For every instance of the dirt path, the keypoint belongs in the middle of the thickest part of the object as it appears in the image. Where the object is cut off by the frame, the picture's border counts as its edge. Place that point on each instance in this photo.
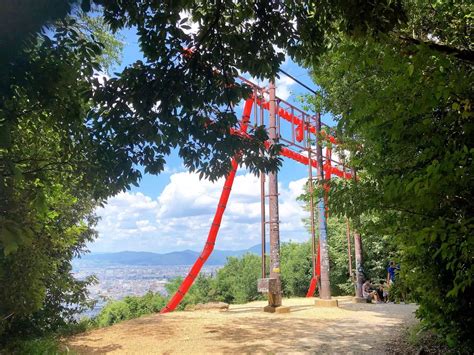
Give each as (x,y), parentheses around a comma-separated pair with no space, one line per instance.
(351,328)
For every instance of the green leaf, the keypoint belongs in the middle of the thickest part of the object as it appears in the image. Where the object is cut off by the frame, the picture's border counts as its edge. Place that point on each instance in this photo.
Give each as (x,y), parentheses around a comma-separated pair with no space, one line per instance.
(8,240)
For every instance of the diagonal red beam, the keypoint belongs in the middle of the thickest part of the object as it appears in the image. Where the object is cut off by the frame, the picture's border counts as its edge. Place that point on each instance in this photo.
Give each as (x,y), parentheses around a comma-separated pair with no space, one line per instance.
(216,223)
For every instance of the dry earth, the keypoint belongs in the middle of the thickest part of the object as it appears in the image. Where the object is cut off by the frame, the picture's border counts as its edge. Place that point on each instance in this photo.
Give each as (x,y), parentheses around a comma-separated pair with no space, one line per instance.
(351,328)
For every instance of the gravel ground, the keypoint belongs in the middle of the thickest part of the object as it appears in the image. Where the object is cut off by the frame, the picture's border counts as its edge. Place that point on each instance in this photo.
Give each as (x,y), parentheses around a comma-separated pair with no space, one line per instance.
(351,328)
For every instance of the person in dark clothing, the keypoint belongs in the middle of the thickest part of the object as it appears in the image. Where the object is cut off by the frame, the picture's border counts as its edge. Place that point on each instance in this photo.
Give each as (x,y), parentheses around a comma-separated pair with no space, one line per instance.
(380,292)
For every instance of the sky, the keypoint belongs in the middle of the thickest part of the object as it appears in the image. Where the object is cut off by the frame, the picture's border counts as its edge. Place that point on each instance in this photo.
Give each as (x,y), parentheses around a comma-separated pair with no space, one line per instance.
(174,210)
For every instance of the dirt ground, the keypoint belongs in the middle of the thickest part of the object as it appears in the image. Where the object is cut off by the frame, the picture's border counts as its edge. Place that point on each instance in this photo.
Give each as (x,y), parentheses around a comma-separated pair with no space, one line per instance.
(351,328)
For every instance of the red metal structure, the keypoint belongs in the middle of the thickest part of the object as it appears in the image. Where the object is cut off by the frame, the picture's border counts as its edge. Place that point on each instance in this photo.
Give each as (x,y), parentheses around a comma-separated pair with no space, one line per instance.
(297,131)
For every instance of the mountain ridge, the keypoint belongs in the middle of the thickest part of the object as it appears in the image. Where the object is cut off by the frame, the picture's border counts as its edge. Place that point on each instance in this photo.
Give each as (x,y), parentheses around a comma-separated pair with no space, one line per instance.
(146,258)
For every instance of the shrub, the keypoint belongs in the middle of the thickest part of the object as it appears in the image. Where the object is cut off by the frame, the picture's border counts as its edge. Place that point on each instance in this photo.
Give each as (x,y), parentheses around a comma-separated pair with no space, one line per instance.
(128,308)
(112,313)
(236,282)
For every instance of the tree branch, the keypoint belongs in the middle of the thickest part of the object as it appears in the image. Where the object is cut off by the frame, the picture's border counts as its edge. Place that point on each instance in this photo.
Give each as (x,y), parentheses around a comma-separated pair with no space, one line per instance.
(462,54)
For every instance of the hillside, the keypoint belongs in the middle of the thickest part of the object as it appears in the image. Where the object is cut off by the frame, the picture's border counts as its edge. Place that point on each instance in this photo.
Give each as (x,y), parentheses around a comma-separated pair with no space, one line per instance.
(351,328)
(141,258)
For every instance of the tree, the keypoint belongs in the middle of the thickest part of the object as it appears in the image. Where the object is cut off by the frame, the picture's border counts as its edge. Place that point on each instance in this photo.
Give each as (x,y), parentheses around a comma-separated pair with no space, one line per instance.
(236,282)
(405,113)
(182,96)
(49,181)
(296,268)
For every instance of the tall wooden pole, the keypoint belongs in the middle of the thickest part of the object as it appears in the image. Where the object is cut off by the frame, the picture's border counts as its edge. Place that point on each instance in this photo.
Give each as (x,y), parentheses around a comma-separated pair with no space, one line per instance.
(349,249)
(358,256)
(325,290)
(311,206)
(262,190)
(274,298)
(359,262)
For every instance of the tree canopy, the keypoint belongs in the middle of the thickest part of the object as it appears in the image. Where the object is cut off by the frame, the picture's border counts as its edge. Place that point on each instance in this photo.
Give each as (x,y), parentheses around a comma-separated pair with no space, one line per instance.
(50,183)
(404,109)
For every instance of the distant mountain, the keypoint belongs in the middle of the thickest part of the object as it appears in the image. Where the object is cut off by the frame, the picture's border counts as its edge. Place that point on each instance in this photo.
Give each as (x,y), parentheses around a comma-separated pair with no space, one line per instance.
(142,258)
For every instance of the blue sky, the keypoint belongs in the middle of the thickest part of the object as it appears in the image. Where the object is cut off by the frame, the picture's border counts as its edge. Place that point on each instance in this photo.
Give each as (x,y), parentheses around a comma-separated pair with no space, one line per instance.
(174,210)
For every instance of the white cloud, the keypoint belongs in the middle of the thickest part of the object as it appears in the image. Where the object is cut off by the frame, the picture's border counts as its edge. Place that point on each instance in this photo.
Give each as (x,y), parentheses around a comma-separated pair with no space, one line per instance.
(283,85)
(180,217)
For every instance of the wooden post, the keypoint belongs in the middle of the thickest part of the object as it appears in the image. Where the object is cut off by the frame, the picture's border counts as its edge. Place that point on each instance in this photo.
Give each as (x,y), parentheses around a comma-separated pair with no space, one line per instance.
(311,205)
(349,251)
(274,299)
(359,263)
(325,290)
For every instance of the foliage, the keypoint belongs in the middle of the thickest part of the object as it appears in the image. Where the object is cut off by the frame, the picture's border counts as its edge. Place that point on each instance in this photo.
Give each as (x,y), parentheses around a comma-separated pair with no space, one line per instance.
(405,113)
(35,346)
(296,268)
(128,308)
(297,265)
(182,95)
(49,181)
(236,282)
(203,290)
(42,292)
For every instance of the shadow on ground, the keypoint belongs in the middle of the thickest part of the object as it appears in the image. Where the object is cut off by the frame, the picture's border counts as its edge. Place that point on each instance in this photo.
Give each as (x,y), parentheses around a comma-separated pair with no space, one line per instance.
(351,328)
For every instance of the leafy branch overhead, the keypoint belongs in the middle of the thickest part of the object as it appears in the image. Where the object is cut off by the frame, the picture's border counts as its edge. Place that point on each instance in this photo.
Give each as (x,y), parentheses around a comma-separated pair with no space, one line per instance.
(188,77)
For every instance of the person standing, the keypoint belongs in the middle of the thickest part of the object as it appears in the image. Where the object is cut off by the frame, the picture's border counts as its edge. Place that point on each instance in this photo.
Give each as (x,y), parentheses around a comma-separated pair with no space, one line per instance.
(391,273)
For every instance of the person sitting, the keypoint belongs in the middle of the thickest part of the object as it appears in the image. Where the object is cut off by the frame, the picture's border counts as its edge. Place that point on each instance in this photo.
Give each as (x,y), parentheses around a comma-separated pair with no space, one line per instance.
(369,293)
(382,291)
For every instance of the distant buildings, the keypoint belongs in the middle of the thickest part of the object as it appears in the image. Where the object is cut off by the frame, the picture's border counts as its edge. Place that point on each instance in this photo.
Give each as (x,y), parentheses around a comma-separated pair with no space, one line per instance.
(117,282)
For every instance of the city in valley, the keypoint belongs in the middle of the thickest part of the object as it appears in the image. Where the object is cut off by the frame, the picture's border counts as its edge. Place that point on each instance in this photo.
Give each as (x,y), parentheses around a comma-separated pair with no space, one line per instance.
(115,282)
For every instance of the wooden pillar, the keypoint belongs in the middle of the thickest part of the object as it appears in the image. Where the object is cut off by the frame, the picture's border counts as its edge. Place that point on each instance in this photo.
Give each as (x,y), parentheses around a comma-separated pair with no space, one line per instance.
(311,204)
(359,262)
(274,298)
(349,248)
(325,290)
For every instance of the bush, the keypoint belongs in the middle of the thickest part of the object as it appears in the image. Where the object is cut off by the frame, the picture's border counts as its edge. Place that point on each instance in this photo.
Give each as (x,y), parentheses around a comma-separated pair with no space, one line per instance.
(112,313)
(128,308)
(236,282)
(296,268)
(34,346)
